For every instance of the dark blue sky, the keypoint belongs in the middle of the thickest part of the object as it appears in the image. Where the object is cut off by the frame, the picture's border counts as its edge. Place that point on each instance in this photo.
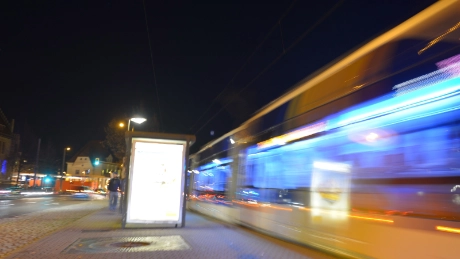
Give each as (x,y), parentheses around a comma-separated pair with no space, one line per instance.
(69,67)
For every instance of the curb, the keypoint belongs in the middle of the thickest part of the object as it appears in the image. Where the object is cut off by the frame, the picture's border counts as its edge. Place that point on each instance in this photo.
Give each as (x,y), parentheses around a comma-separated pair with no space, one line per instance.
(20,196)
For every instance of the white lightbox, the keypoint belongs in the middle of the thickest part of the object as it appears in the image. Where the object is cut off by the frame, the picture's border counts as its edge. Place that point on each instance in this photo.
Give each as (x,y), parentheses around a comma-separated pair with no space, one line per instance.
(156,182)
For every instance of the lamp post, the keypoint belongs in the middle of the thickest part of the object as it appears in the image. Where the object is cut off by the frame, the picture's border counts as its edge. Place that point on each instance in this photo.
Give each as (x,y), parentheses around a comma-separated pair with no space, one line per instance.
(36,163)
(62,168)
(137,120)
(19,168)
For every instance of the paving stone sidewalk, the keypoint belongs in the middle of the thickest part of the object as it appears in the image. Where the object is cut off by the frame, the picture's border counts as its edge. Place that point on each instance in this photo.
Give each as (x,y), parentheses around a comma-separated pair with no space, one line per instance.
(97,236)
(23,230)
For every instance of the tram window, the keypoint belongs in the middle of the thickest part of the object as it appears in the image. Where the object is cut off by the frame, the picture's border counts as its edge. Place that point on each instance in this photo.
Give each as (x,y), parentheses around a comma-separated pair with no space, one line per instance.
(394,159)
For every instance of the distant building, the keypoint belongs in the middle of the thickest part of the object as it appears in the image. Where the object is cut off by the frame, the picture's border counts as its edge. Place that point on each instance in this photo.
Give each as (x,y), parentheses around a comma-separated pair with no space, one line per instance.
(8,147)
(91,166)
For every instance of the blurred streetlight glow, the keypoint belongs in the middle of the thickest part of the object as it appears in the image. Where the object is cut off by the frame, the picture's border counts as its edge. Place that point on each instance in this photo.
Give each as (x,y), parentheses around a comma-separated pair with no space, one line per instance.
(371,137)
(121,124)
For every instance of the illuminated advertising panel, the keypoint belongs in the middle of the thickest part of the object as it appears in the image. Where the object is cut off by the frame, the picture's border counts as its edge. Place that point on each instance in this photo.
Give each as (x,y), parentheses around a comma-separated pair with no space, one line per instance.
(330,190)
(156,180)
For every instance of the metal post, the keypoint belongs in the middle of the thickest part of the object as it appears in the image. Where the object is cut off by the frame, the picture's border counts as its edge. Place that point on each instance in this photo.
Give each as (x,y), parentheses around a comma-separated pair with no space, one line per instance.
(62,169)
(122,195)
(19,168)
(126,166)
(36,164)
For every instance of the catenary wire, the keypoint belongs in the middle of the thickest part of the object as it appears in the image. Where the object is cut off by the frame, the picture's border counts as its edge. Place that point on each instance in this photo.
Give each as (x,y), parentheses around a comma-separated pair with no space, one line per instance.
(278,23)
(274,61)
(153,67)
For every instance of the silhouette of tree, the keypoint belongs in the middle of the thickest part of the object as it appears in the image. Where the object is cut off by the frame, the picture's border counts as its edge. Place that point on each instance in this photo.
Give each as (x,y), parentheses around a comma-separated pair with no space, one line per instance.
(115,138)
(49,159)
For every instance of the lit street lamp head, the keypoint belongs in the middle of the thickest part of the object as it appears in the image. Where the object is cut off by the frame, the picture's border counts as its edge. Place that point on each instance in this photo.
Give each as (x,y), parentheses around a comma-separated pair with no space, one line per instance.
(138,120)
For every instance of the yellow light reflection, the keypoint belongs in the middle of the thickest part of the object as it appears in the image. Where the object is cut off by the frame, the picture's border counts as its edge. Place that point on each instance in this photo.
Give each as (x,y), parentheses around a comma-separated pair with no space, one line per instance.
(375,219)
(297,134)
(436,40)
(279,208)
(447,229)
(246,204)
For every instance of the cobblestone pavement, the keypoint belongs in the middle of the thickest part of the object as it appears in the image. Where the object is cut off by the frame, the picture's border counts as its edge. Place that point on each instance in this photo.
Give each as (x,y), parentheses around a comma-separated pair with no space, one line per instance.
(95,236)
(23,230)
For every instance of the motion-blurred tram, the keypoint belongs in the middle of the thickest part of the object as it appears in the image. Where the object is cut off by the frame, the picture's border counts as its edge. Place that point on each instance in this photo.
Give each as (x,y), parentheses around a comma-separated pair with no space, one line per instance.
(361,159)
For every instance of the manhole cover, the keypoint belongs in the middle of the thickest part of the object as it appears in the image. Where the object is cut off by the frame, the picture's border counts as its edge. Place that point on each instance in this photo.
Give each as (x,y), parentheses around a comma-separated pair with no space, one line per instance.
(130,244)
(126,244)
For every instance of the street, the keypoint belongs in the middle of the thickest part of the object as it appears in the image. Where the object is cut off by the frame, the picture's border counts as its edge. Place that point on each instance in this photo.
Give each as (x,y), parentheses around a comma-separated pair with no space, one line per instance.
(26,205)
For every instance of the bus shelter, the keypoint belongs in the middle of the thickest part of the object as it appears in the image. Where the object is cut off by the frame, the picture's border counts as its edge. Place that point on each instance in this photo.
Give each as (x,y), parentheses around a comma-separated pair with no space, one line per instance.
(155,179)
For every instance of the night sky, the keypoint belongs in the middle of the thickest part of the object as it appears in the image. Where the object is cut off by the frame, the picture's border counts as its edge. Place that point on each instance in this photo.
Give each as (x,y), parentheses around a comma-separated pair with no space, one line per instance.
(69,67)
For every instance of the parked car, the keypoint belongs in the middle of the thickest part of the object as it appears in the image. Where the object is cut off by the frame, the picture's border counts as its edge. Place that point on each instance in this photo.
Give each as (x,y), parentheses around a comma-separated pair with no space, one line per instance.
(100,191)
(13,190)
(81,192)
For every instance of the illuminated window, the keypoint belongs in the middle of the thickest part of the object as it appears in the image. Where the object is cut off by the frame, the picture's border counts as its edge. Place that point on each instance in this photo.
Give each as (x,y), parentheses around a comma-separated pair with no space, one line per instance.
(4,163)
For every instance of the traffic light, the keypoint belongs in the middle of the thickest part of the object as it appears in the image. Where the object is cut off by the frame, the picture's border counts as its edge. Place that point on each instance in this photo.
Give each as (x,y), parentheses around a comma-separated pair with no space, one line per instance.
(97,161)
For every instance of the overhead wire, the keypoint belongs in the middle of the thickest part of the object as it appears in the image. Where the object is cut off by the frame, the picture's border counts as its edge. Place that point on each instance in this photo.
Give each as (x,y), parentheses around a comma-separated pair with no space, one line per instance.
(153,67)
(278,23)
(333,8)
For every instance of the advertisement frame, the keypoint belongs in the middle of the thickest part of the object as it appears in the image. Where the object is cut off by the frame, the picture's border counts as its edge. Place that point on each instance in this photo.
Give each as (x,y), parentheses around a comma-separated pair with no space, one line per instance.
(129,175)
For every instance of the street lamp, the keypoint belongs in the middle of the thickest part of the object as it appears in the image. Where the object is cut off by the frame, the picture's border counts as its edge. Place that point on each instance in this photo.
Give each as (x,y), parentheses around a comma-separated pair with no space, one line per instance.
(62,168)
(136,120)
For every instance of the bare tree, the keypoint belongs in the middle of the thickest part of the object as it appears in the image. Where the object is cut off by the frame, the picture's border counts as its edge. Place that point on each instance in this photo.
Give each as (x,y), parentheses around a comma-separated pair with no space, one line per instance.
(115,138)
(50,161)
